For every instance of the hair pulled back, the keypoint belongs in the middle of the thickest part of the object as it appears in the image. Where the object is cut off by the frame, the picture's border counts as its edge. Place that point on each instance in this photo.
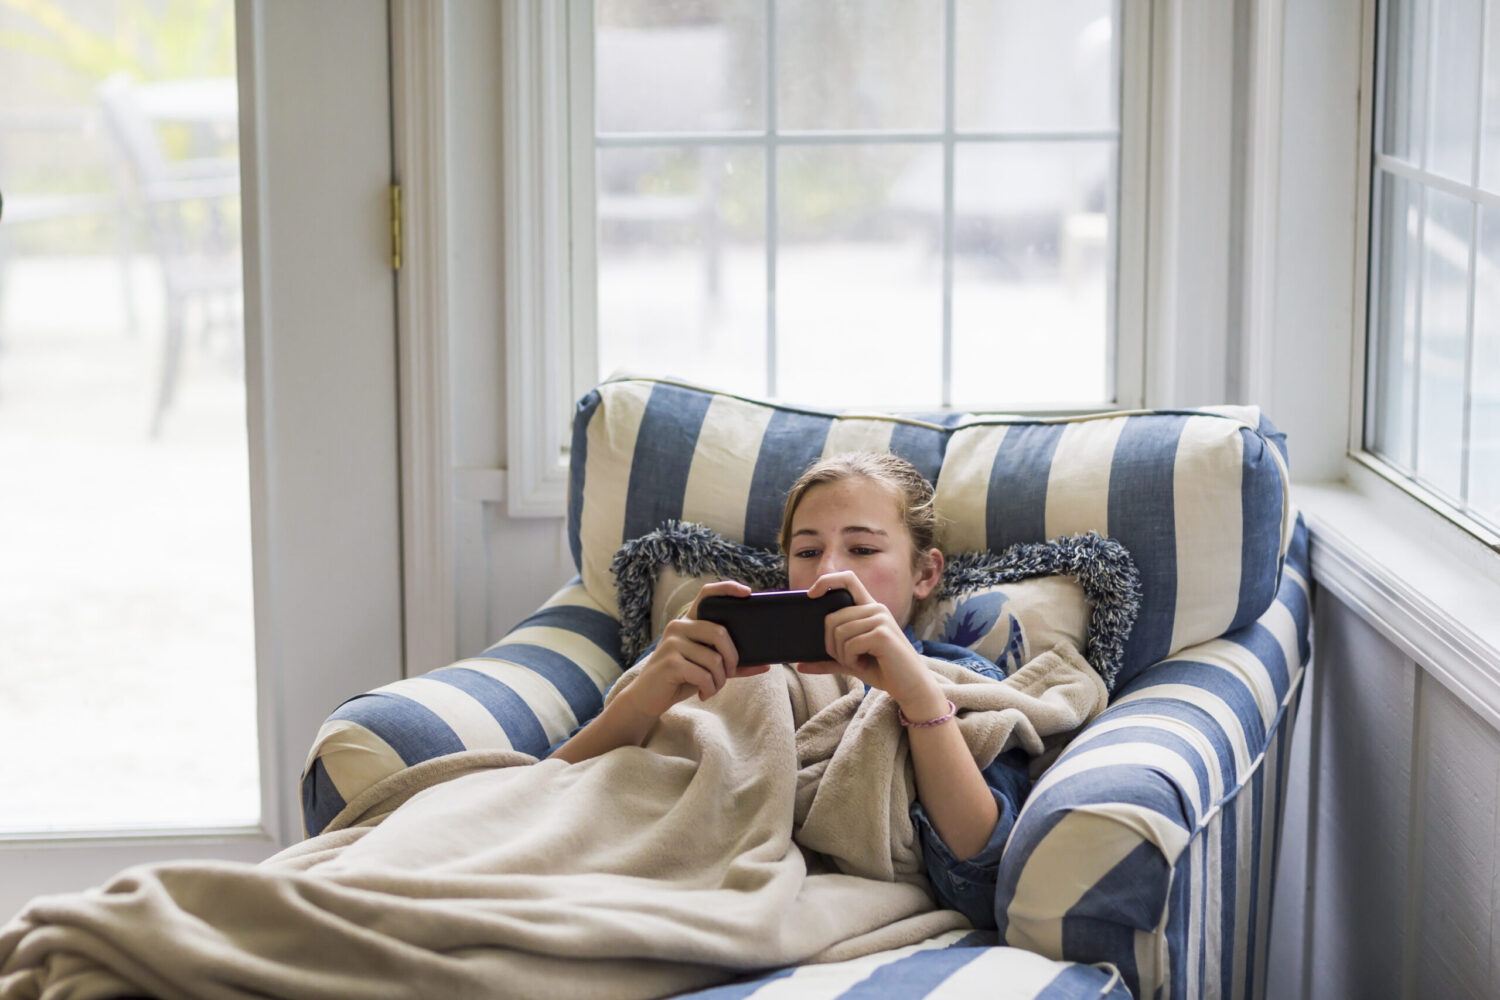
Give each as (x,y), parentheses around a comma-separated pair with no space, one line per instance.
(913,493)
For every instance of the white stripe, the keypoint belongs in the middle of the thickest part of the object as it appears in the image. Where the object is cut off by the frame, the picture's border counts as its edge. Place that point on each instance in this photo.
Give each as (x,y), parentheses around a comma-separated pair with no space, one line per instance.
(1269,802)
(1213,885)
(571,595)
(1245,891)
(1243,665)
(1210,703)
(611,447)
(1001,974)
(1279,621)
(470,721)
(1206,499)
(1153,957)
(1194,922)
(354,757)
(546,703)
(854,434)
(1078,481)
(963,486)
(831,979)
(718,484)
(1124,755)
(1190,734)
(1076,853)
(600,667)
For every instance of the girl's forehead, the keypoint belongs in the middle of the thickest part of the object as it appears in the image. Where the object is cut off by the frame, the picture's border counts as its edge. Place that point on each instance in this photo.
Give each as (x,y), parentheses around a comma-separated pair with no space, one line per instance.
(867,498)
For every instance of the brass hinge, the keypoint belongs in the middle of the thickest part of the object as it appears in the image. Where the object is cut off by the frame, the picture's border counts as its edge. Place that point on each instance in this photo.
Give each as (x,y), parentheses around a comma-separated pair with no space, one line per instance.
(395,227)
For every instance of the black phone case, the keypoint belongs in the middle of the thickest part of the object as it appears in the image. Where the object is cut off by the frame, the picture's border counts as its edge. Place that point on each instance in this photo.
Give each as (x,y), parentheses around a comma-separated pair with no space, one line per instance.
(778,626)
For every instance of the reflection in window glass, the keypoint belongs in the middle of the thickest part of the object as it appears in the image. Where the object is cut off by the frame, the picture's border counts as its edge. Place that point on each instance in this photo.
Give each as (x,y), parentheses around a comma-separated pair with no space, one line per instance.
(126,646)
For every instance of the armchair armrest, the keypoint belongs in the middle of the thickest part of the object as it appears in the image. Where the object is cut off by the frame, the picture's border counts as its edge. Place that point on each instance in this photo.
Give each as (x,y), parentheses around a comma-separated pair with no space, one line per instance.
(1151,843)
(527,691)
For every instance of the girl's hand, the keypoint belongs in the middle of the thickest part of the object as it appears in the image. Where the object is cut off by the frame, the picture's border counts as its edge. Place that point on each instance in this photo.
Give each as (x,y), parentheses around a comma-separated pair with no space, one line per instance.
(868,643)
(693,657)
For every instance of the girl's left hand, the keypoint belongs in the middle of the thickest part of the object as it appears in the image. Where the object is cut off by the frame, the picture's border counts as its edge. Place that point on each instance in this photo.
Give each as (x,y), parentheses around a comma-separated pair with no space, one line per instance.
(866,642)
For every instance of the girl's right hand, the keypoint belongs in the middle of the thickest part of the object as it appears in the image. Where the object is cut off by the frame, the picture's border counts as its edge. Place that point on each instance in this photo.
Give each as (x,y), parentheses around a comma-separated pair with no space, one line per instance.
(693,657)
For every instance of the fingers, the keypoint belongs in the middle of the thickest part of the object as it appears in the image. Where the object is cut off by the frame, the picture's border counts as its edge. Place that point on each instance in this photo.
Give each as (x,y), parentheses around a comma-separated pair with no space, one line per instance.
(722,588)
(846,623)
(842,580)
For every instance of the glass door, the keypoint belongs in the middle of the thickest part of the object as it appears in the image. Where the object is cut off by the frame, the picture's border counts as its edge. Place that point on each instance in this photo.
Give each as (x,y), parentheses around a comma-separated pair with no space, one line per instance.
(186,363)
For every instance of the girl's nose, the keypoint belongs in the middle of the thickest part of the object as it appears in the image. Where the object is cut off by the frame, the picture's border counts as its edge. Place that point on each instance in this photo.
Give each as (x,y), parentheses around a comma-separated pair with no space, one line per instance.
(831,563)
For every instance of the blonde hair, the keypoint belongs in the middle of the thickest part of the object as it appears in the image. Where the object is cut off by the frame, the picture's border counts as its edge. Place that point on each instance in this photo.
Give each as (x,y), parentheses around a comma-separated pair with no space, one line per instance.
(913,493)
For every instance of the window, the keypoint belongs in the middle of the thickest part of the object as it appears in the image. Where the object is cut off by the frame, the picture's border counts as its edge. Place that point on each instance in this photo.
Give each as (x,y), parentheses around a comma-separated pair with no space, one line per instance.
(861,203)
(1432,364)
(939,204)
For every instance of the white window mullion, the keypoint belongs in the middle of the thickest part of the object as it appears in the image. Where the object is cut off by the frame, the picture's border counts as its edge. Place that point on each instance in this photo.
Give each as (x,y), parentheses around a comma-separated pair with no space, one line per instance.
(773,226)
(950,52)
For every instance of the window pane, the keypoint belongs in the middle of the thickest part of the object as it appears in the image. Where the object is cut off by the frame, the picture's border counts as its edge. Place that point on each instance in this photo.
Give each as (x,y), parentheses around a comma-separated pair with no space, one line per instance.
(1455,88)
(1489,157)
(1445,304)
(1025,65)
(682,264)
(859,64)
(679,65)
(126,639)
(1484,428)
(1392,349)
(859,276)
(1032,242)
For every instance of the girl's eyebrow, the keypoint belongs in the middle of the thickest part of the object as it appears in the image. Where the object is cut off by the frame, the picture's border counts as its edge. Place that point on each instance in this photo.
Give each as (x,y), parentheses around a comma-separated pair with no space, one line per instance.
(853,529)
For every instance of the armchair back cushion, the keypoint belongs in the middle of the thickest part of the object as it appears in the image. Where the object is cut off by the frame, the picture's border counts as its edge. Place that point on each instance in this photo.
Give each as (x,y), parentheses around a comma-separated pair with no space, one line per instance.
(1198,497)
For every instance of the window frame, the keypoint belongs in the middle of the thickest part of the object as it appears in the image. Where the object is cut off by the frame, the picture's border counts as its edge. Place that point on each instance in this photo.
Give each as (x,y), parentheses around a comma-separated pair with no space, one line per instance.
(1367,468)
(552,319)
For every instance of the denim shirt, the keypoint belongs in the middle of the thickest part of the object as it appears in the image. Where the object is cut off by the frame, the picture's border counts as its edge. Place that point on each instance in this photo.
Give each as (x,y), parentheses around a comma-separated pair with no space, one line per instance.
(968,886)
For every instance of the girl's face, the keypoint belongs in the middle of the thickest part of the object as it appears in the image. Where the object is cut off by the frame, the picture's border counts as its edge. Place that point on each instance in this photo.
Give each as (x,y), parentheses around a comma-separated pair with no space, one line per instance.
(855,524)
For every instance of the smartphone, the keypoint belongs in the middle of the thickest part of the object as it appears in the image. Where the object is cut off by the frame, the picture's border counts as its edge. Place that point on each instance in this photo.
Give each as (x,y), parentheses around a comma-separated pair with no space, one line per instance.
(775,626)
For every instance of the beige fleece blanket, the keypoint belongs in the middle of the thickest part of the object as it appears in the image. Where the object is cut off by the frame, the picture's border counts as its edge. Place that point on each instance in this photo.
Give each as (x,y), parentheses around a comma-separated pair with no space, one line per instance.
(765,827)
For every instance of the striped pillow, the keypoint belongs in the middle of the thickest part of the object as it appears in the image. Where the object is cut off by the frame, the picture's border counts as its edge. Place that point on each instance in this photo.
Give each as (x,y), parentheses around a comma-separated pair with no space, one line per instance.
(1198,497)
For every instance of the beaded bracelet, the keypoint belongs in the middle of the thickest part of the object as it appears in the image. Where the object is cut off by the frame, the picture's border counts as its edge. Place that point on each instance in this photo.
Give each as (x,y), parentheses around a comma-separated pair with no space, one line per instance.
(901,716)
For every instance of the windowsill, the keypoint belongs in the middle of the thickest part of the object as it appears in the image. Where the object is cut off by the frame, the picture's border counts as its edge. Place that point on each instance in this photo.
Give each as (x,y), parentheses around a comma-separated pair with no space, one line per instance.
(1426,585)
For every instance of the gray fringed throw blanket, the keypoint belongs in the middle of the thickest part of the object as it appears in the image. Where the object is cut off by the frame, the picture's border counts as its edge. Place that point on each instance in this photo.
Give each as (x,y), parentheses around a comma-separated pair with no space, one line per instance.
(764,827)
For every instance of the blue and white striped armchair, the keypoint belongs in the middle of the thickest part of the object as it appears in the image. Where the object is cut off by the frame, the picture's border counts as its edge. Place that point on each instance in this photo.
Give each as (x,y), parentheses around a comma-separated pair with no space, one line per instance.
(1145,856)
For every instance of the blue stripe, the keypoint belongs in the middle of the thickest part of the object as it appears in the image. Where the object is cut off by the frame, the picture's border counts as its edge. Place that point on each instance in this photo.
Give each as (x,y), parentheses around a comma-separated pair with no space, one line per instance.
(923,447)
(1143,518)
(793,441)
(1177,926)
(1229,863)
(1151,736)
(664,447)
(742,988)
(413,730)
(1260,530)
(591,623)
(1252,913)
(1196,719)
(571,680)
(914,975)
(1268,431)
(1015,509)
(515,716)
(321,801)
(578,460)
(1080,982)
(1223,685)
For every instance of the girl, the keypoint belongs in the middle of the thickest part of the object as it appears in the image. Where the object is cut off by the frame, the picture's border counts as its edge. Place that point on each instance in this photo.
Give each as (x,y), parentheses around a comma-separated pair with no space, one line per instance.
(863,522)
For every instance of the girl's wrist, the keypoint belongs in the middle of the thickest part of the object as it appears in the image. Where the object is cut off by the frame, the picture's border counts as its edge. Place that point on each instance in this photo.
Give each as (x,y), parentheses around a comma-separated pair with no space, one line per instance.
(924,703)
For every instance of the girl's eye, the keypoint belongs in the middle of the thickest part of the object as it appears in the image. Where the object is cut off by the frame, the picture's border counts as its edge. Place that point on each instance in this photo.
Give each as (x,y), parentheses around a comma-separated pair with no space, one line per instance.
(864,550)
(805,554)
